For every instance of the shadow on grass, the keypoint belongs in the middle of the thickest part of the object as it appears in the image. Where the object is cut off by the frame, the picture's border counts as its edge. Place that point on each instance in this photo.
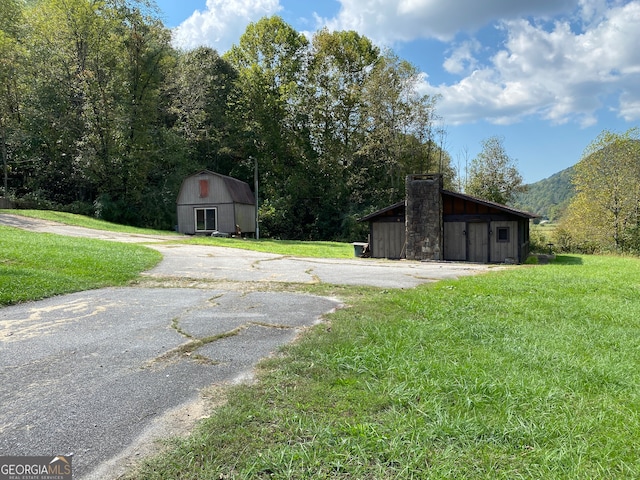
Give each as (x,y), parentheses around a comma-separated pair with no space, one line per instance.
(567,260)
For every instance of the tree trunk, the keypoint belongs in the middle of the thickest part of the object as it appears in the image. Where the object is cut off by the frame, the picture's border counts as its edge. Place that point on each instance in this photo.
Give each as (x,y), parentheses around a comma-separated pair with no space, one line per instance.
(5,163)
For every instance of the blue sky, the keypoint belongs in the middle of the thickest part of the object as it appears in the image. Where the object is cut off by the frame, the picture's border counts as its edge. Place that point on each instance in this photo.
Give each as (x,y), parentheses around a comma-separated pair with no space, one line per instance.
(546,75)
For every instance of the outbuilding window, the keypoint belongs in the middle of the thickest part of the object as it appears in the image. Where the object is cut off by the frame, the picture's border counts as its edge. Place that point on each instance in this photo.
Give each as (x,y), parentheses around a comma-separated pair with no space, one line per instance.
(206,219)
(502,234)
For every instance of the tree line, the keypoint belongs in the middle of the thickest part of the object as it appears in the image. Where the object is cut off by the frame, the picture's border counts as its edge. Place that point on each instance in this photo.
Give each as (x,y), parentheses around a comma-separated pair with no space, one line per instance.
(604,213)
(100,115)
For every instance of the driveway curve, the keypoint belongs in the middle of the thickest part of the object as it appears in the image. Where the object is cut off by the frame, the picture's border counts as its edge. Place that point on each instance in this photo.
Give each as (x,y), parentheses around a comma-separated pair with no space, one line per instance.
(103,373)
(239,265)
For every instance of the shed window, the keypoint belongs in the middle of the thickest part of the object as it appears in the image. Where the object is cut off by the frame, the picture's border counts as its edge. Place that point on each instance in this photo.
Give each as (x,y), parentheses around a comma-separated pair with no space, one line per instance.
(206,219)
(502,234)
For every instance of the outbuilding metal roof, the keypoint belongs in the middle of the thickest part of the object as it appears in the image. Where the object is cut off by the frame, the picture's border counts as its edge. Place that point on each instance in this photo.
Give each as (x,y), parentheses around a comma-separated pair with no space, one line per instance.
(239,191)
(487,203)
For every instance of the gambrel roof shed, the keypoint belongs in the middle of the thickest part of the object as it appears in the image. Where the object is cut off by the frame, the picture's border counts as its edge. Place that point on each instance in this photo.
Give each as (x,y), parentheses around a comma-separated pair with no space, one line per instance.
(209,202)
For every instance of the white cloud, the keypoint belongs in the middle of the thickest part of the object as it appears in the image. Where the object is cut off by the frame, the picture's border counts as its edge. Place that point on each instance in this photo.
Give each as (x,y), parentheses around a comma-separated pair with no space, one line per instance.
(462,58)
(222,23)
(390,21)
(563,72)
(558,74)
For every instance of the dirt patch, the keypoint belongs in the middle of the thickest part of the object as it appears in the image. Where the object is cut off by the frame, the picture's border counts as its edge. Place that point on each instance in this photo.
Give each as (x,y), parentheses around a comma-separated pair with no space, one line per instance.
(175,424)
(214,284)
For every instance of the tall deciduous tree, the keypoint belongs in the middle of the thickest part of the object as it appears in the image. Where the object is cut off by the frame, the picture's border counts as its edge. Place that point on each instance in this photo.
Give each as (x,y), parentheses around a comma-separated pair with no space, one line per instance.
(95,79)
(202,90)
(270,60)
(334,103)
(605,212)
(400,138)
(12,56)
(493,174)
(340,63)
(114,117)
(63,39)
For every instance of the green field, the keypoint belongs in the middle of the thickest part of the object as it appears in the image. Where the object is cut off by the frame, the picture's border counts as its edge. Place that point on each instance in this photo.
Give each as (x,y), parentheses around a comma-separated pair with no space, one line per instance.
(282,247)
(83,221)
(528,373)
(531,372)
(39,265)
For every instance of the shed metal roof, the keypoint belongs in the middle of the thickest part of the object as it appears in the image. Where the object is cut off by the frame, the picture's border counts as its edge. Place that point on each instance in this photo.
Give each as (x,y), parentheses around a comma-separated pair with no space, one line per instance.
(379,213)
(498,206)
(239,191)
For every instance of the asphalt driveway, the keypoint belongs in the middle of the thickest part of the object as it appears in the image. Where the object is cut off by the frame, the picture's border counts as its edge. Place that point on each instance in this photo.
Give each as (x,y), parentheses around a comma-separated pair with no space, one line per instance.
(102,373)
(90,373)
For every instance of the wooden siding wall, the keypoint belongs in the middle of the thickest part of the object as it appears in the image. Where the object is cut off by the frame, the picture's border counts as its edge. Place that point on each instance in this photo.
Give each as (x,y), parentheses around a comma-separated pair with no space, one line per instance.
(387,239)
(186,222)
(246,217)
(455,241)
(459,206)
(229,216)
(478,242)
(226,220)
(210,191)
(471,241)
(500,251)
(216,192)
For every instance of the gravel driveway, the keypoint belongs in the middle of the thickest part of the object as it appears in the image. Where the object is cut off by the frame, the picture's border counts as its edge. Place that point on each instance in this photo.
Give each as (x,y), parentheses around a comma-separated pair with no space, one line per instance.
(103,373)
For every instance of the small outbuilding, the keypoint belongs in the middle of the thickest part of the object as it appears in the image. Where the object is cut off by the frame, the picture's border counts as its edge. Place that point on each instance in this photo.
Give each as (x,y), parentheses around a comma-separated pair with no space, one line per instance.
(210,203)
(437,224)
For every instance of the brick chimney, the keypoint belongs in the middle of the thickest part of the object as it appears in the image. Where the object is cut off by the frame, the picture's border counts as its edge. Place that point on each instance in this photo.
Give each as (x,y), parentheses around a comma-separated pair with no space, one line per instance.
(424,228)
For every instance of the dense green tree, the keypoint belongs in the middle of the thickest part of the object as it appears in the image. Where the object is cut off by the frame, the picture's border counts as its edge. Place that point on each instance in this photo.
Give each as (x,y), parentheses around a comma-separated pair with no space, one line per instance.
(270,59)
(203,92)
(12,56)
(106,118)
(400,130)
(333,106)
(64,37)
(94,104)
(340,63)
(605,212)
(493,175)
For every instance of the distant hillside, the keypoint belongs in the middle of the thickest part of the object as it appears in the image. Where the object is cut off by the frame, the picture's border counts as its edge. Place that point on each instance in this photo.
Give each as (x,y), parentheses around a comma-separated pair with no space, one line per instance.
(549,197)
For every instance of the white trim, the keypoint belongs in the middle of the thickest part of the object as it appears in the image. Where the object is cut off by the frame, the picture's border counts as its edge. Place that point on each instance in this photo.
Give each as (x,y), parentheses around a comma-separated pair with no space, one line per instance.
(195,219)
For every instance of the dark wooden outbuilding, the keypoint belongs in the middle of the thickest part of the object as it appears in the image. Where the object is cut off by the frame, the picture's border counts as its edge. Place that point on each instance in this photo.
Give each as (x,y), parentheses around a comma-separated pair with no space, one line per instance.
(212,203)
(445,225)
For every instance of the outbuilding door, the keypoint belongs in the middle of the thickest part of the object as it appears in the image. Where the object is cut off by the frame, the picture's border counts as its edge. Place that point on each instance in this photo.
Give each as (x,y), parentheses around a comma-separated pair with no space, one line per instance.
(455,241)
(478,242)
(387,239)
(206,219)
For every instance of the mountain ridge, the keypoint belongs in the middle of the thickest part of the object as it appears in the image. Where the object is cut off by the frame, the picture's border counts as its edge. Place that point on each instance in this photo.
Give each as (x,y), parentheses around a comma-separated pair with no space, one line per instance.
(548,197)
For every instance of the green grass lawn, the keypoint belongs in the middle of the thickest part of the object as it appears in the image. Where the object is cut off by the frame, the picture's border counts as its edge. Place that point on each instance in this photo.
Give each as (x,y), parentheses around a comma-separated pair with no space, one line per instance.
(39,265)
(532,372)
(528,373)
(83,221)
(281,247)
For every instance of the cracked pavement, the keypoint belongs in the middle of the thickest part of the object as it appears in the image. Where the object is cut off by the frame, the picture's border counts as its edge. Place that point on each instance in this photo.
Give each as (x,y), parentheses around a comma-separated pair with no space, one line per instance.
(86,373)
(104,373)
